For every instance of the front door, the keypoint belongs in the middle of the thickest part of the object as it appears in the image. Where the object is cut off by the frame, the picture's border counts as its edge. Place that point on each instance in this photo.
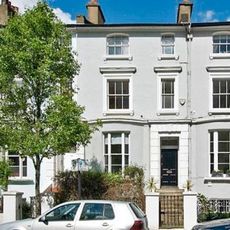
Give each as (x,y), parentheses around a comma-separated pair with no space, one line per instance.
(169,167)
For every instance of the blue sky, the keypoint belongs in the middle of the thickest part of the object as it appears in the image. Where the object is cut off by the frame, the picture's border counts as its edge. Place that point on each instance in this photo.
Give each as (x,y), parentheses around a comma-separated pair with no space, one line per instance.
(121,11)
(138,11)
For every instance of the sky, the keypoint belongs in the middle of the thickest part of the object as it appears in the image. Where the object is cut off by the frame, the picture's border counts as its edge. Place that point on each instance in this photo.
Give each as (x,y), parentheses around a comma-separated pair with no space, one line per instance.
(136,11)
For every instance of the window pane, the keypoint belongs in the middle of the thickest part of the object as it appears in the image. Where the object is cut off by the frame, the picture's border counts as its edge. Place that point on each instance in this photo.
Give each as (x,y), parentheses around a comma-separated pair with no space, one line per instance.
(223,86)
(111,50)
(223,147)
(24,171)
(116,159)
(125,87)
(116,169)
(118,51)
(126,160)
(216,102)
(111,102)
(215,49)
(111,87)
(116,148)
(119,102)
(223,158)
(223,49)
(215,86)
(106,160)
(223,167)
(223,136)
(223,101)
(118,87)
(125,102)
(14,171)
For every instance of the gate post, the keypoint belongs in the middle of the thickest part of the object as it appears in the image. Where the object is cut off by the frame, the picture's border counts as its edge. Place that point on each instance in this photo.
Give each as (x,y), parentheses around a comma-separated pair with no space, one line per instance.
(12,206)
(152,209)
(190,210)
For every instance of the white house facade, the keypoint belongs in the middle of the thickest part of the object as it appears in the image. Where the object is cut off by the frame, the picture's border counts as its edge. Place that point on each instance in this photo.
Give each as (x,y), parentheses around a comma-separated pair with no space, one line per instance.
(162,92)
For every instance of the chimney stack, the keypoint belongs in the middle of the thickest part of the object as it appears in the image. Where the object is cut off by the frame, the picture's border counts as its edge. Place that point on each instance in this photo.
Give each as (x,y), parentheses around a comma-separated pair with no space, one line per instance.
(184,12)
(6,11)
(95,14)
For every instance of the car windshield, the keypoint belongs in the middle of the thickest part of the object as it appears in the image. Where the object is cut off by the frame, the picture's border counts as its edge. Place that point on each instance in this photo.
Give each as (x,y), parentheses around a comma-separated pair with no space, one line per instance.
(137,211)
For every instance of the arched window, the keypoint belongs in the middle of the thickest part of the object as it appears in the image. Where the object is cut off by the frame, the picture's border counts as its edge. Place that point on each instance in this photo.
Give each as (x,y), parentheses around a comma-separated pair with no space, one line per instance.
(167,43)
(221,43)
(118,45)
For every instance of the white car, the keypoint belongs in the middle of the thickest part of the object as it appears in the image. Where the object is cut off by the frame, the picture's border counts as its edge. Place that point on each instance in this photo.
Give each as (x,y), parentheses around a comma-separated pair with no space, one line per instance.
(86,215)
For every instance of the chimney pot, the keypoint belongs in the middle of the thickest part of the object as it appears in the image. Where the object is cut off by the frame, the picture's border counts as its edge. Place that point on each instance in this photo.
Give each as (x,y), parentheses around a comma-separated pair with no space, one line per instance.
(95,14)
(184,12)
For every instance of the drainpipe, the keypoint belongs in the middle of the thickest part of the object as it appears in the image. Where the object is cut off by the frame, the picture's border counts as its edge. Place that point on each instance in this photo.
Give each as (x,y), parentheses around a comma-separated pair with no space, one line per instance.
(189,37)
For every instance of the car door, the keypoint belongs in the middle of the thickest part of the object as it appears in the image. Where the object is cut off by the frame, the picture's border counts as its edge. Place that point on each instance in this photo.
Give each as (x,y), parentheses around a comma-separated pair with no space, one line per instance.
(98,216)
(60,218)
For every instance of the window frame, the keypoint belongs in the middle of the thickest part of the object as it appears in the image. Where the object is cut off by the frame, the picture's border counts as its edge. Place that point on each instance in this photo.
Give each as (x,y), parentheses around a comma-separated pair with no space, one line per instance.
(219,55)
(170,45)
(109,153)
(167,76)
(218,76)
(215,151)
(164,56)
(117,77)
(20,166)
(125,56)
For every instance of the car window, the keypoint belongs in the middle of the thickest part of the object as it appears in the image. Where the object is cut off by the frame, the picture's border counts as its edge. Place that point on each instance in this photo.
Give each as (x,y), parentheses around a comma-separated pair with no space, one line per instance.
(137,211)
(65,212)
(96,211)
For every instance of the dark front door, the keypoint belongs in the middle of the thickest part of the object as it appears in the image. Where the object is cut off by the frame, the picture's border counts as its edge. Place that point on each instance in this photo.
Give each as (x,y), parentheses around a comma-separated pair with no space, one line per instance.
(169,167)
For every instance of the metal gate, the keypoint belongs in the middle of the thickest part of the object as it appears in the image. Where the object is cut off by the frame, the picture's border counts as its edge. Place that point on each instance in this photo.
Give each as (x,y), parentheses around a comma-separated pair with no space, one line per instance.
(171,211)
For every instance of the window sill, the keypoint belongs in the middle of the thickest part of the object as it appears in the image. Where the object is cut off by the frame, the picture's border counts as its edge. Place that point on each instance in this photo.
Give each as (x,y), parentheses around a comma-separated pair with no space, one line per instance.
(118,57)
(220,56)
(20,181)
(168,57)
(217,180)
(167,112)
(219,111)
(119,112)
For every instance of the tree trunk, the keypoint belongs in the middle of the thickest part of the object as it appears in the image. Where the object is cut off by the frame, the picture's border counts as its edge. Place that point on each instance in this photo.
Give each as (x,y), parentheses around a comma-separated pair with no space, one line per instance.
(37,187)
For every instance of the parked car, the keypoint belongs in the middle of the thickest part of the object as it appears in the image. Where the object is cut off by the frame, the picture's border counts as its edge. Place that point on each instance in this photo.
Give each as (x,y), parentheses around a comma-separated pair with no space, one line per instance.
(220,224)
(86,215)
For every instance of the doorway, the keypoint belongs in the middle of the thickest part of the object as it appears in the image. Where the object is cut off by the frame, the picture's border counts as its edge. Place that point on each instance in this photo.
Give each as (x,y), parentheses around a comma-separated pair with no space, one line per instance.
(169,161)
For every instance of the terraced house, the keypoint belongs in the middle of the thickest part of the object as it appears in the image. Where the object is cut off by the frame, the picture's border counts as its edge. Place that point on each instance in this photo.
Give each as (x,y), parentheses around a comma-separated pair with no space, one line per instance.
(162,92)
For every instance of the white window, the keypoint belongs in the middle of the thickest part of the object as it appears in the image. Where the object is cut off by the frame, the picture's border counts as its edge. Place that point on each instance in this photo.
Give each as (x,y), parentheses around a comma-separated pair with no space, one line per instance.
(116,151)
(167,43)
(168,93)
(220,92)
(18,164)
(118,45)
(117,94)
(221,43)
(219,151)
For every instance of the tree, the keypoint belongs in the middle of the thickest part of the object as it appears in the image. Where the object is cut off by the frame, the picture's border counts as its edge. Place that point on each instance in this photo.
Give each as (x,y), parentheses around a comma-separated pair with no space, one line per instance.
(39,117)
(4,174)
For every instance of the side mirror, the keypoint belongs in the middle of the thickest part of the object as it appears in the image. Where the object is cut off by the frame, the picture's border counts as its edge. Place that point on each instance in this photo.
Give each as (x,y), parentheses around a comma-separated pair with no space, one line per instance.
(44,220)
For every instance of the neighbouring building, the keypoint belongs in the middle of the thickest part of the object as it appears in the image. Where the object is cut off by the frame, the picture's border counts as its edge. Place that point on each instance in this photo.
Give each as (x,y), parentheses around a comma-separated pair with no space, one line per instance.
(162,92)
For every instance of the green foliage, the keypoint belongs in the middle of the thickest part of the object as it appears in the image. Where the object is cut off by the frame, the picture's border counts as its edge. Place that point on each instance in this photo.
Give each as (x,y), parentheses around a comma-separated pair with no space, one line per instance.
(92,184)
(26,210)
(37,67)
(98,185)
(113,178)
(151,184)
(135,173)
(206,212)
(4,174)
